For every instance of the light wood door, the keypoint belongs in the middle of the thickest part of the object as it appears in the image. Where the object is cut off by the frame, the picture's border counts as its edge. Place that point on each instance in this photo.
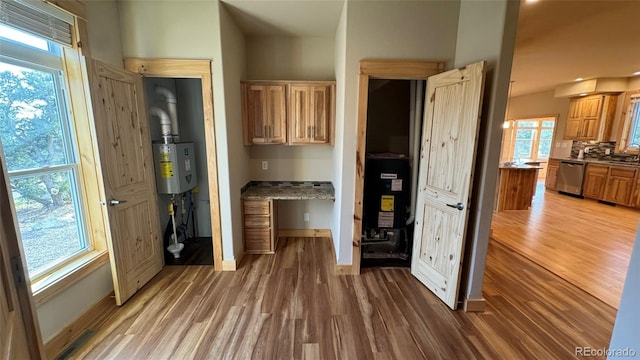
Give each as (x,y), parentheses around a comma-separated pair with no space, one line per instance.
(574,120)
(124,143)
(13,330)
(300,109)
(591,109)
(255,108)
(551,178)
(321,107)
(452,112)
(276,114)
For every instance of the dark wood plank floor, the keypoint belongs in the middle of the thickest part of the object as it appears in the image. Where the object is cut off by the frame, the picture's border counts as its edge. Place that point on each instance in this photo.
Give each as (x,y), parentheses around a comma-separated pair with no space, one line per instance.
(291,306)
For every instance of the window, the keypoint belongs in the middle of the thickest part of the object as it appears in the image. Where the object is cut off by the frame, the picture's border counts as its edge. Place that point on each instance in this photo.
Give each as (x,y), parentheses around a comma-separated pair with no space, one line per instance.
(529,139)
(39,148)
(634,121)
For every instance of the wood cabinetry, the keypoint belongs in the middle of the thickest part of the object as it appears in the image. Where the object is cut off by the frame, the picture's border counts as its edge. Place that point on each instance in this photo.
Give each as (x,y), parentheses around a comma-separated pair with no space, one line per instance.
(264,113)
(288,112)
(310,113)
(259,226)
(590,117)
(595,181)
(551,178)
(620,182)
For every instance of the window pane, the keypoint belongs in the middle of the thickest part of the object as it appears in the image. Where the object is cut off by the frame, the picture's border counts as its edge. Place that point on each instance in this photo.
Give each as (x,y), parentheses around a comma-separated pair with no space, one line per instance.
(635,120)
(548,123)
(546,134)
(522,149)
(525,134)
(544,149)
(23,38)
(30,123)
(48,218)
(527,123)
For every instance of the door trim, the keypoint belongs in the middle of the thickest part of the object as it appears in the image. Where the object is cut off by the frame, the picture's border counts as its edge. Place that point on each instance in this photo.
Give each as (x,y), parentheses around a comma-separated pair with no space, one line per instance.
(195,69)
(378,69)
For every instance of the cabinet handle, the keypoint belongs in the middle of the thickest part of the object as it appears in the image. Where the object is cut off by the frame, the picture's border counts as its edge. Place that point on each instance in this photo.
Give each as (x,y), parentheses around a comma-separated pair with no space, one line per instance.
(265,132)
(313,132)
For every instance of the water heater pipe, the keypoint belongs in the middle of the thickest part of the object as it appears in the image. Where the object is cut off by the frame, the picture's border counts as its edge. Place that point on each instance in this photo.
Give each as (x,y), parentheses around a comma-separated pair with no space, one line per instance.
(170,99)
(165,122)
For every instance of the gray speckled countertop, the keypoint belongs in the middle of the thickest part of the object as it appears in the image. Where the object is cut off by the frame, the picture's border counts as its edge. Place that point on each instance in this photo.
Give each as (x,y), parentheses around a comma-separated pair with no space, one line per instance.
(288,190)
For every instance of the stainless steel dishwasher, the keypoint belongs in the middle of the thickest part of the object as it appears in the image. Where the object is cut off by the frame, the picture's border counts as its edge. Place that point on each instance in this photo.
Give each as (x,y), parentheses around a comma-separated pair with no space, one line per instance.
(570,176)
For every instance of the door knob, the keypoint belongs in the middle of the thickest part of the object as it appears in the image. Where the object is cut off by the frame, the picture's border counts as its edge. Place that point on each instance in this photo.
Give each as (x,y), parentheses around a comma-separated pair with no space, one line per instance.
(116,202)
(458,206)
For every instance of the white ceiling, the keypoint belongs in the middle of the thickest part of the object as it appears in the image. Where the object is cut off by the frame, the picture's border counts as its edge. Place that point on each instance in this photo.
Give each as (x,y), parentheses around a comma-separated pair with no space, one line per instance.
(560,40)
(557,40)
(286,18)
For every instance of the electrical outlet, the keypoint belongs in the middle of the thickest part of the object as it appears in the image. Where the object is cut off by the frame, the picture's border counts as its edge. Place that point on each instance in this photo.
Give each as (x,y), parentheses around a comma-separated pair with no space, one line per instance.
(607,151)
(265,165)
(306,217)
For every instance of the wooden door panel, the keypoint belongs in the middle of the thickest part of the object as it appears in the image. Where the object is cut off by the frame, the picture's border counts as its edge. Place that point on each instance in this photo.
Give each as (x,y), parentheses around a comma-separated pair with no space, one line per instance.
(572,129)
(298,119)
(277,114)
(256,100)
(451,123)
(591,106)
(321,106)
(124,143)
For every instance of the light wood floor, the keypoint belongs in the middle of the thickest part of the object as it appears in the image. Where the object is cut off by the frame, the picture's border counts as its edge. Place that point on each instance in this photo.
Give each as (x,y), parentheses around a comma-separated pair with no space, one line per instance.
(585,242)
(290,306)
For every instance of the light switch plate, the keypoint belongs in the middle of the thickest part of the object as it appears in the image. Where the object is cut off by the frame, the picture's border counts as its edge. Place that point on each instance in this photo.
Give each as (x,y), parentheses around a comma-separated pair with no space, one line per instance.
(265,165)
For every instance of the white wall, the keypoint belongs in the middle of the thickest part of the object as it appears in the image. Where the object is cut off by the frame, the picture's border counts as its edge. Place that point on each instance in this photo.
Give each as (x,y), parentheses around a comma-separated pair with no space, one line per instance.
(486,31)
(338,148)
(65,307)
(382,30)
(201,30)
(542,103)
(627,325)
(290,58)
(232,53)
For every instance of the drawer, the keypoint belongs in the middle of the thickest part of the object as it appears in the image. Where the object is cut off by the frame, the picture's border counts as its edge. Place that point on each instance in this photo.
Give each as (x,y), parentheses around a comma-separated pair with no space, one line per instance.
(257,221)
(597,169)
(623,172)
(257,207)
(257,240)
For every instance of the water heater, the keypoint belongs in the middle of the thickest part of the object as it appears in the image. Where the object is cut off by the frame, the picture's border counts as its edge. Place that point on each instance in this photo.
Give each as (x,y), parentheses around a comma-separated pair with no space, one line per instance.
(175,167)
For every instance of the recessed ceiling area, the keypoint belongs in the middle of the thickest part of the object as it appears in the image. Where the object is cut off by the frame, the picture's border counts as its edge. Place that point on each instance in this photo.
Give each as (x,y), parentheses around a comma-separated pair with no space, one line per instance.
(308,18)
(559,40)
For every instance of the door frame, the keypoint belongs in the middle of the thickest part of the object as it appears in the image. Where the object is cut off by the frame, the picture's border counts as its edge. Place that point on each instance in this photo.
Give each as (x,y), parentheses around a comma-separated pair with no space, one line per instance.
(388,70)
(193,69)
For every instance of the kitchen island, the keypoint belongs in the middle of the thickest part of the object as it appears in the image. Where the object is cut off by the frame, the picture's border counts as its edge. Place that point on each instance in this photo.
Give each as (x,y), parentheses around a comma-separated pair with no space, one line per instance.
(516,187)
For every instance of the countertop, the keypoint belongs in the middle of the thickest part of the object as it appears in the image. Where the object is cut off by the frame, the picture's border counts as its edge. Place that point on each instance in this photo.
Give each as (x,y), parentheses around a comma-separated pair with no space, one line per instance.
(601,162)
(288,190)
(521,167)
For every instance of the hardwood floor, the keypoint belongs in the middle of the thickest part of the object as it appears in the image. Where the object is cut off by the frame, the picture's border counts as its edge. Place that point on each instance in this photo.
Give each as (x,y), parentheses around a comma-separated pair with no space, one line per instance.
(291,306)
(584,242)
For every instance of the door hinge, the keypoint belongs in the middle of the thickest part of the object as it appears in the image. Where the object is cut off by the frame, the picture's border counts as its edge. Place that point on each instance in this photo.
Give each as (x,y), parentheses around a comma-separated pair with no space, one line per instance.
(18,272)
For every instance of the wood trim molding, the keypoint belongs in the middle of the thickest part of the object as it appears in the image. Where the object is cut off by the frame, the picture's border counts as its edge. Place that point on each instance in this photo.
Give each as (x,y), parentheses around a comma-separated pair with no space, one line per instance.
(378,69)
(474,305)
(90,319)
(623,130)
(201,69)
(315,233)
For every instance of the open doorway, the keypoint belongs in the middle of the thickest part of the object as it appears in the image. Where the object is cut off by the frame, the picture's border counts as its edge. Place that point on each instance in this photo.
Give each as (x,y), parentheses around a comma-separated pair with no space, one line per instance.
(193,83)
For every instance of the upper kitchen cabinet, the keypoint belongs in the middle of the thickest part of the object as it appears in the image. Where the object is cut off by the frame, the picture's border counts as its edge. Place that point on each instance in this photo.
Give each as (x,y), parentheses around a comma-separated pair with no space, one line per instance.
(311,113)
(590,117)
(288,112)
(264,113)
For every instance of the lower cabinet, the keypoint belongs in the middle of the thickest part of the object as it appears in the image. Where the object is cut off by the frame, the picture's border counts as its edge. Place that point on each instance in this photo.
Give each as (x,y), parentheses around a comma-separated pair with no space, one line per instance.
(620,184)
(595,181)
(259,226)
(551,179)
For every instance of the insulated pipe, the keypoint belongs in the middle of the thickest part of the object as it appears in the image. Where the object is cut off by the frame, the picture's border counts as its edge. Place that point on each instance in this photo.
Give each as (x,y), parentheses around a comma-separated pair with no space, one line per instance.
(171,101)
(165,122)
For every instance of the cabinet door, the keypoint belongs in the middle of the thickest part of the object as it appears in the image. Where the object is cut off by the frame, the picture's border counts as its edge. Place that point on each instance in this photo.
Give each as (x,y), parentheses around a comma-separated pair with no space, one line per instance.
(595,181)
(299,110)
(551,178)
(321,113)
(635,198)
(590,111)
(276,114)
(574,120)
(620,185)
(254,112)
